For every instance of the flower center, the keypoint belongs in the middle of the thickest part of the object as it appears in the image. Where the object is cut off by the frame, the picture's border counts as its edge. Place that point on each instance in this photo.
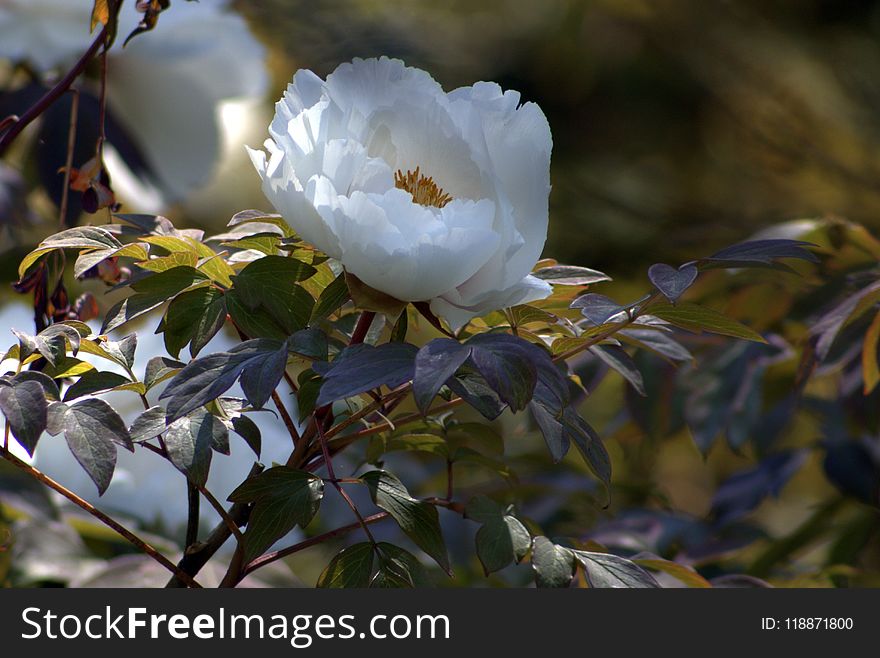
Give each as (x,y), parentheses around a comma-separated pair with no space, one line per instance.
(424,190)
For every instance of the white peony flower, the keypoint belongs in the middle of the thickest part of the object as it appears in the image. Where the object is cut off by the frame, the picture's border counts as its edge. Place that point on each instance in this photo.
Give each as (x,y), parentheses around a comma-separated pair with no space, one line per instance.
(168,87)
(423,195)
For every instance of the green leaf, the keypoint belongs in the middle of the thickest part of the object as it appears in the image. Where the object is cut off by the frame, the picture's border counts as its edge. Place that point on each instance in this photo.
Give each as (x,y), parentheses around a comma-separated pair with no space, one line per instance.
(417,519)
(92,430)
(502,539)
(169,262)
(554,433)
(89,259)
(246,216)
(190,441)
(606,570)
(398,568)
(160,368)
(524,314)
(435,364)
(283,498)
(760,252)
(248,430)
(93,382)
(400,328)
(509,366)
(589,444)
(216,267)
(25,407)
(151,292)
(570,275)
(275,271)
(259,362)
(270,283)
(50,388)
(179,243)
(469,456)
(264,243)
(97,418)
(68,367)
(30,259)
(618,360)
(472,386)
(148,425)
(670,281)
(331,298)
(308,344)
(82,237)
(362,367)
(97,349)
(256,323)
(260,377)
(351,567)
(827,327)
(553,565)
(701,318)
(597,309)
(55,418)
(658,342)
(123,350)
(193,317)
(54,342)
(307,395)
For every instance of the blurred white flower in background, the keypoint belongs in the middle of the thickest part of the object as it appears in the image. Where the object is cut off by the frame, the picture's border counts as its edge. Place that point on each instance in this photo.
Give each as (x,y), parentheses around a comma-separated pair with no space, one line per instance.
(423,195)
(181,90)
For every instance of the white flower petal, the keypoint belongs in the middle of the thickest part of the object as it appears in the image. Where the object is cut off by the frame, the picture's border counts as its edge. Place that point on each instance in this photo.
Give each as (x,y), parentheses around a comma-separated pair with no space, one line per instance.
(410,252)
(518,144)
(370,84)
(458,313)
(336,147)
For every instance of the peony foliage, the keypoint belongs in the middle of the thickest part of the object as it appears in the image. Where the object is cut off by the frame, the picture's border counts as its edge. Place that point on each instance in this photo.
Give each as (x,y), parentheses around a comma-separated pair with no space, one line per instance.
(352,372)
(393,311)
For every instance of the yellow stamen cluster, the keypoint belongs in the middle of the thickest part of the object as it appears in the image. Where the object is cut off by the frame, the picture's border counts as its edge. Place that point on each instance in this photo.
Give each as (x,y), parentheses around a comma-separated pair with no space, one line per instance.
(424,190)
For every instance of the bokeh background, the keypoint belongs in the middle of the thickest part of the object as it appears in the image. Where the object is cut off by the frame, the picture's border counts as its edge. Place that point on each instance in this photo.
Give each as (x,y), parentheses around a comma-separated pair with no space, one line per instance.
(679,127)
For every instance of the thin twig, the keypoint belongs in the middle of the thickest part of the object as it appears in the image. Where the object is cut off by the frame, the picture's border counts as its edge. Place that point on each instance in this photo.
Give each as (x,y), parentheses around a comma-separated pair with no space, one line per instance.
(53,94)
(221,511)
(68,163)
(329,463)
(610,331)
(102,108)
(363,326)
(103,518)
(268,558)
(288,421)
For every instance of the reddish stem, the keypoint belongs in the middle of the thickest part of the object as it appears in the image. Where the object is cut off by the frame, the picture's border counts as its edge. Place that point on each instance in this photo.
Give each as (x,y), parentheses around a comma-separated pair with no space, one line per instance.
(363,326)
